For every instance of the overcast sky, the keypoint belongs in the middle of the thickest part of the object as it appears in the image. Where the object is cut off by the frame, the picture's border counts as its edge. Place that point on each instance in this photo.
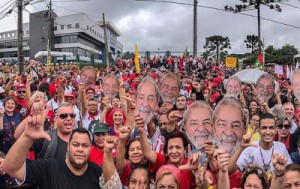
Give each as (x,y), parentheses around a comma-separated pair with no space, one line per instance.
(169,26)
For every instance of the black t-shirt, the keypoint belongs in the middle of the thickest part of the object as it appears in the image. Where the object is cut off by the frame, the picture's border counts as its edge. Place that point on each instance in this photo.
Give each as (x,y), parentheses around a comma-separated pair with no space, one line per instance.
(61,148)
(55,174)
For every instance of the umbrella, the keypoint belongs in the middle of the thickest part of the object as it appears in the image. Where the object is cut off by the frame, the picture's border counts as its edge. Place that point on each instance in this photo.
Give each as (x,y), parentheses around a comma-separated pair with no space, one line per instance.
(249,75)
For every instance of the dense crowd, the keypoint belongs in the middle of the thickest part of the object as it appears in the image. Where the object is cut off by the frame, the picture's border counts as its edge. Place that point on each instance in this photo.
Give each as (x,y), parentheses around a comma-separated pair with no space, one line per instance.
(186,126)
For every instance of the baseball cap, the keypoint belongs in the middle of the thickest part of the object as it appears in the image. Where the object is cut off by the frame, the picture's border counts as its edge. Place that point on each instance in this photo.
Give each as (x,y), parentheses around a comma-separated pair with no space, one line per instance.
(101,128)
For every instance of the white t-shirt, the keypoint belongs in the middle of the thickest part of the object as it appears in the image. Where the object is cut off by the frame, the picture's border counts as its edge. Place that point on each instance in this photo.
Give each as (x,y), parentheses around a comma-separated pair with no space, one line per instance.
(87,119)
(157,141)
(252,155)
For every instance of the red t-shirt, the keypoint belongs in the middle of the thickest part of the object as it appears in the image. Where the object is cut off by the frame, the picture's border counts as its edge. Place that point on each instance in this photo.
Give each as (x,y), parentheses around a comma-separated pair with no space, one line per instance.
(52,90)
(187,177)
(96,155)
(124,176)
(21,106)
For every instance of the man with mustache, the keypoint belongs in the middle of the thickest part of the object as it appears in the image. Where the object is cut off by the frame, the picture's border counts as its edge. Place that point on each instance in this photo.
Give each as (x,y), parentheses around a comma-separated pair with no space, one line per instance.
(110,86)
(265,86)
(198,126)
(229,124)
(169,87)
(288,110)
(233,87)
(295,80)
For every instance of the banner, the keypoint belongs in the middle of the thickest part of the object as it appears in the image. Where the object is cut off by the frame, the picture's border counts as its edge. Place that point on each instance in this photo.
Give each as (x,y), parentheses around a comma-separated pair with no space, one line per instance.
(279,69)
(231,62)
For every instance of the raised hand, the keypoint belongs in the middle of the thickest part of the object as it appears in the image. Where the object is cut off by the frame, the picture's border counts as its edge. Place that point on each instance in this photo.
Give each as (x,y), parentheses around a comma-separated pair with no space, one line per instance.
(110,143)
(2,110)
(139,123)
(279,162)
(29,78)
(196,86)
(124,133)
(174,115)
(247,139)
(208,147)
(34,128)
(254,90)
(223,159)
(105,102)
(193,161)
(202,177)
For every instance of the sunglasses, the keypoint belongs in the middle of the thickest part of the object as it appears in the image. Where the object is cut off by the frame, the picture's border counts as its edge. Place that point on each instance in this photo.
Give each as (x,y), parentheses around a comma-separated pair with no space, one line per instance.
(19,92)
(286,126)
(65,115)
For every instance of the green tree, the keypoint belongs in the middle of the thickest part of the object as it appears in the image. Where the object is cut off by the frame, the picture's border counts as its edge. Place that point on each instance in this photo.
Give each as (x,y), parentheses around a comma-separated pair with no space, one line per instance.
(252,43)
(216,44)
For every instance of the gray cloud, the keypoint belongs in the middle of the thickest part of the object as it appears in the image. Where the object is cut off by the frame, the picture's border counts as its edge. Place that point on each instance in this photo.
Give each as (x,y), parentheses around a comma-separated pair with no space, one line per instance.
(169,26)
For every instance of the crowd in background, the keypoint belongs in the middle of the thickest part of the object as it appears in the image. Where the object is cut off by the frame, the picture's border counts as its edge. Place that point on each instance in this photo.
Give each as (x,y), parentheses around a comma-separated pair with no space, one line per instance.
(165,126)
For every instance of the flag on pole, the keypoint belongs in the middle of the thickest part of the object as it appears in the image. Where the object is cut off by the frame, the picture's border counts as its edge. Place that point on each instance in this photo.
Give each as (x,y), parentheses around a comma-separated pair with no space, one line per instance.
(259,62)
(136,59)
(181,66)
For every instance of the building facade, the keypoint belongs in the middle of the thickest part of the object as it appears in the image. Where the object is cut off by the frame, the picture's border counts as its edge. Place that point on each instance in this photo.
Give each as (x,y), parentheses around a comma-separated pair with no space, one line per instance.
(77,34)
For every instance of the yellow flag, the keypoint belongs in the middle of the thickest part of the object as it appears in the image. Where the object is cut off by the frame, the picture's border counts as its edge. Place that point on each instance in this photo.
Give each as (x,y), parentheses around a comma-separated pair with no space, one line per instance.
(136,59)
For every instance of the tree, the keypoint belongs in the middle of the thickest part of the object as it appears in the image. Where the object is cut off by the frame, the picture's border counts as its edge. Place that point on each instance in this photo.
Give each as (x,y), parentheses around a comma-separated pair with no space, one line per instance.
(216,44)
(252,43)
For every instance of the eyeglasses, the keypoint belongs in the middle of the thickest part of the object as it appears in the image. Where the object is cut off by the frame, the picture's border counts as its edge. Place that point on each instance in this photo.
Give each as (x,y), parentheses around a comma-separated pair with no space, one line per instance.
(65,115)
(286,126)
(19,92)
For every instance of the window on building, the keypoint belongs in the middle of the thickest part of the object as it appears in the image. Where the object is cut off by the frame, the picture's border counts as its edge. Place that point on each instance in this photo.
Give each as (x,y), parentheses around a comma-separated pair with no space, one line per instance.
(43,39)
(77,25)
(13,34)
(3,35)
(0,36)
(69,26)
(43,27)
(62,27)
(55,28)
(27,32)
(87,27)
(8,35)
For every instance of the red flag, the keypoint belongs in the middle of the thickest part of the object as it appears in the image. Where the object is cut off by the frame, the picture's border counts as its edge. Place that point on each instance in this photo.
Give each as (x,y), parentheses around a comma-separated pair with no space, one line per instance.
(260,59)
(182,59)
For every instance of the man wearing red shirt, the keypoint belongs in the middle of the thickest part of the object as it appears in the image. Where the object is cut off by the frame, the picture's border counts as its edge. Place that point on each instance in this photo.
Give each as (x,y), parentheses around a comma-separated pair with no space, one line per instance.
(101,132)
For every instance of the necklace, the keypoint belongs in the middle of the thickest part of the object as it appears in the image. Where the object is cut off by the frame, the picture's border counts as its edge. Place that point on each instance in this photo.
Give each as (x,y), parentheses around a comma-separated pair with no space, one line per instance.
(266,167)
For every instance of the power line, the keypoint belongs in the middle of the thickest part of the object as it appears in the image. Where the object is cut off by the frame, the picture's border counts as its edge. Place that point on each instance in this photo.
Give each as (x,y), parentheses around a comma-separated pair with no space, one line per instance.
(287,4)
(219,9)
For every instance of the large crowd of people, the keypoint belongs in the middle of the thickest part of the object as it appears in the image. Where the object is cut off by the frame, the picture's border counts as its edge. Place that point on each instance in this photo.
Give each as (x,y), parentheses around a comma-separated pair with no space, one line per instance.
(165,126)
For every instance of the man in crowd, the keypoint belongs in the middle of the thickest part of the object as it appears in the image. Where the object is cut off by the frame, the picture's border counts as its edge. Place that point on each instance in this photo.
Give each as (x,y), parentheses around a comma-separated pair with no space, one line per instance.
(265,86)
(181,104)
(169,87)
(262,154)
(288,110)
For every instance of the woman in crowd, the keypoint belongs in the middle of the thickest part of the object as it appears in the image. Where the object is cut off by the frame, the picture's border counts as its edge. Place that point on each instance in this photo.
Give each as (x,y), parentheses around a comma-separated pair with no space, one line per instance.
(139,178)
(254,177)
(128,156)
(253,107)
(9,121)
(168,176)
(115,118)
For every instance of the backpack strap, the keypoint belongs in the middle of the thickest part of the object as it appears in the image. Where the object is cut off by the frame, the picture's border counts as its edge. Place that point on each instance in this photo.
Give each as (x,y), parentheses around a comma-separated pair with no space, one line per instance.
(49,148)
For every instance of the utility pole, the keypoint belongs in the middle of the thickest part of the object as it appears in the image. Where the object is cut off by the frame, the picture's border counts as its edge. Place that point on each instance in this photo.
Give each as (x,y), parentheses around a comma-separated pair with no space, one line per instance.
(105,40)
(50,31)
(258,26)
(195,37)
(20,36)
(255,4)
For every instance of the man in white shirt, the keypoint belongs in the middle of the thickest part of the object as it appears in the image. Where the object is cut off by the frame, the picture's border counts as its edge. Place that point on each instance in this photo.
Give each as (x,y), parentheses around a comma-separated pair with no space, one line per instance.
(266,147)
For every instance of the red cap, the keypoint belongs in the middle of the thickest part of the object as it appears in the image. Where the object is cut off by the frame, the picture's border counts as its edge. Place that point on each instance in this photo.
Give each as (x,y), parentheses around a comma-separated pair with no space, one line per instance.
(215,85)
(20,86)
